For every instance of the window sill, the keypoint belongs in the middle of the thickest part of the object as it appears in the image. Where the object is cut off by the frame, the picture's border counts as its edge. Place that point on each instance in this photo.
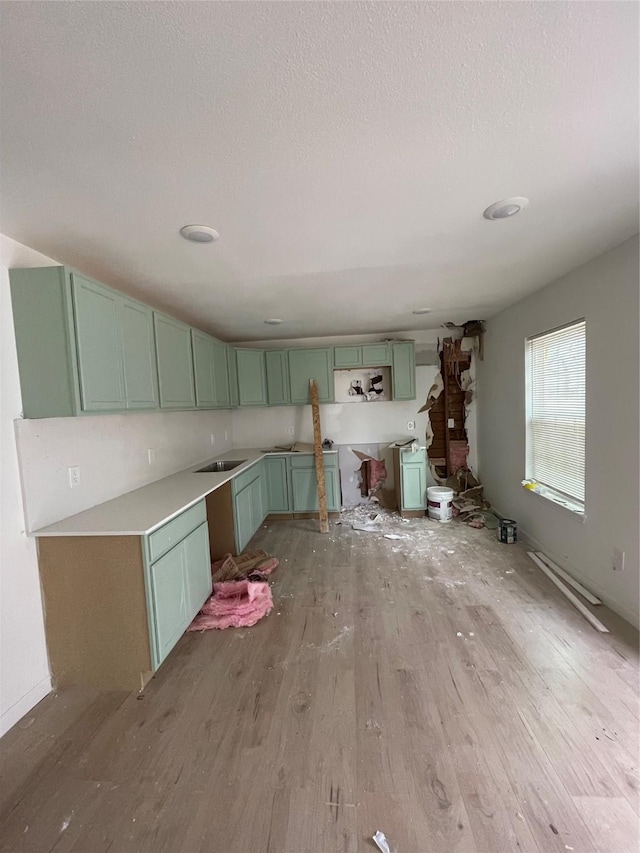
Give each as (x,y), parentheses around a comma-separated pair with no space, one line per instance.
(572,509)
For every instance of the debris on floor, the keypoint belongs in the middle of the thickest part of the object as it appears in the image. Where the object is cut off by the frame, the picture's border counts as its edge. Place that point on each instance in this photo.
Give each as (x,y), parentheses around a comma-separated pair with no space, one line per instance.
(234,604)
(381,842)
(241,594)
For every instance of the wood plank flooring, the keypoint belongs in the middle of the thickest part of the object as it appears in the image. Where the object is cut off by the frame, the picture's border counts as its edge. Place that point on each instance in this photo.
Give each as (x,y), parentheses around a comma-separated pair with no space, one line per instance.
(436,687)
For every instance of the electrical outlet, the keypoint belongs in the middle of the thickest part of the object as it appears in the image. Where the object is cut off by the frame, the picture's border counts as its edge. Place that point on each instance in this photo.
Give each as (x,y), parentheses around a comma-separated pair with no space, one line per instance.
(451,423)
(213,438)
(290,430)
(151,456)
(74,476)
(618,560)
(226,435)
(411,425)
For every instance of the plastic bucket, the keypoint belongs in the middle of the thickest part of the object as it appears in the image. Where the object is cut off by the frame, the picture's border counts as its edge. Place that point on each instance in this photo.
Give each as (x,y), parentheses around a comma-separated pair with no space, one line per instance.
(439,503)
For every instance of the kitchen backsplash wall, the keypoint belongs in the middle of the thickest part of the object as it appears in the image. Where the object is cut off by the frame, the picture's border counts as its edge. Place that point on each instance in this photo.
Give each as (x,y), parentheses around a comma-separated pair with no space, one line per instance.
(112,454)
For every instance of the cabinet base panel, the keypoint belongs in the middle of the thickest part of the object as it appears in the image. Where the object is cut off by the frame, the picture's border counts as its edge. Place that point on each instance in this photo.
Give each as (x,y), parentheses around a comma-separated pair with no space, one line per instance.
(412,513)
(96,611)
(293,516)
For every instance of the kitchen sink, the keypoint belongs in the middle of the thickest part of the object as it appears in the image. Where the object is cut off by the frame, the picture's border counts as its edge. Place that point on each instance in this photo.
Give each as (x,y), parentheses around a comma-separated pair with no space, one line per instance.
(223,465)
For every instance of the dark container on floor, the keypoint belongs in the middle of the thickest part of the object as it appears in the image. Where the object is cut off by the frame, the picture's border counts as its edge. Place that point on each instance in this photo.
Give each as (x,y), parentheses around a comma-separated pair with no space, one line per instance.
(507,531)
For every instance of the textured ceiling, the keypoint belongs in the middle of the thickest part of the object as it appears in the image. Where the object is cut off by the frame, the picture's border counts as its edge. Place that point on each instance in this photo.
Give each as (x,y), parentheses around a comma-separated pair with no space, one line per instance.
(344,151)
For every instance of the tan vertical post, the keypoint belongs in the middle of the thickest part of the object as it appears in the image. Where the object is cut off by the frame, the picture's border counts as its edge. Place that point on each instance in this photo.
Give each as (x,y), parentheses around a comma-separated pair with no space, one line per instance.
(317,449)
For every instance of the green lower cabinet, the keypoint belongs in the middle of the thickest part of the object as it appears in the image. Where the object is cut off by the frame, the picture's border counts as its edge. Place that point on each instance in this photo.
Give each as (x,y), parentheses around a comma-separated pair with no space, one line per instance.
(304,487)
(175,363)
(403,370)
(414,482)
(252,380)
(179,582)
(277,482)
(168,594)
(198,569)
(307,364)
(277,367)
(243,517)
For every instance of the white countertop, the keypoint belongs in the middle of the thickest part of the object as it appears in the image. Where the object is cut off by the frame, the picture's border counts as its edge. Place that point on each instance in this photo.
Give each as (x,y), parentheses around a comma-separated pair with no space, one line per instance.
(143,510)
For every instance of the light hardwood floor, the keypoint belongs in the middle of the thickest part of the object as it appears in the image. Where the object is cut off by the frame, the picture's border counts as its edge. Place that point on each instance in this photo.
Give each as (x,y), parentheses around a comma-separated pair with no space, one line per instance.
(437,688)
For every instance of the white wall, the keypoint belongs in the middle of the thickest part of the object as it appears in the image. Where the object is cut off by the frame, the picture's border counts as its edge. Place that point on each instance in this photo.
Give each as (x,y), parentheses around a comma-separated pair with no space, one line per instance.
(24,669)
(606,293)
(111,451)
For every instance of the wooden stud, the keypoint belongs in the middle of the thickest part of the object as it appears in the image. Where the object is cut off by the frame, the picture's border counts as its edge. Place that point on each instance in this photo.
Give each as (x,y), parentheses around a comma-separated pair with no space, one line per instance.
(597,624)
(584,592)
(317,449)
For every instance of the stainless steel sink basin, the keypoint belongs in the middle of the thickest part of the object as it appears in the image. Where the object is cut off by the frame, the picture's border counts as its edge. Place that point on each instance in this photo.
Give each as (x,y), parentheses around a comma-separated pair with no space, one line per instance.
(223,465)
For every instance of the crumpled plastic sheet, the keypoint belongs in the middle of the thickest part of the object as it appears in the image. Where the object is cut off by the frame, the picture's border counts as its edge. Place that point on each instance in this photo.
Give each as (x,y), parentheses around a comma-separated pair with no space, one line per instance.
(234,604)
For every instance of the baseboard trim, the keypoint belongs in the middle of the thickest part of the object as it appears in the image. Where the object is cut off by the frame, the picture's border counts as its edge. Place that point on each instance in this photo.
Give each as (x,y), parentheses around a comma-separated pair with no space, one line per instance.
(22,707)
(611,603)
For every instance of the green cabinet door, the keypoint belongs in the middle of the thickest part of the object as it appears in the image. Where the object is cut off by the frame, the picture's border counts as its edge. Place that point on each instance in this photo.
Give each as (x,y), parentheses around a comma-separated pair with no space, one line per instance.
(252,381)
(305,489)
(257,512)
(243,517)
(376,355)
(139,356)
(168,597)
(306,364)
(403,370)
(220,374)
(414,485)
(197,568)
(203,369)
(97,314)
(347,357)
(277,480)
(175,363)
(232,365)
(264,489)
(277,367)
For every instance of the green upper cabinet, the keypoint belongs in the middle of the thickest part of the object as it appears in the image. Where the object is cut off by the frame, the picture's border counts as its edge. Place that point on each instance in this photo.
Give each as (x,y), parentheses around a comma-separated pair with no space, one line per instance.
(345,357)
(175,363)
(277,366)
(220,374)
(252,380)
(82,347)
(232,370)
(306,364)
(203,370)
(96,310)
(404,370)
(376,355)
(139,355)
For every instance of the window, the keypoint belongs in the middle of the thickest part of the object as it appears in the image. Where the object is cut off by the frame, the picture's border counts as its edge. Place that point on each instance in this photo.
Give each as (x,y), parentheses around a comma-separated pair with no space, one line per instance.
(555,382)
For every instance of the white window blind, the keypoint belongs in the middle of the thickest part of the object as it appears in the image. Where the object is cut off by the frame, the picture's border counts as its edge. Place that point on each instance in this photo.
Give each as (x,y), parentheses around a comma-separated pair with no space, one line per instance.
(556,409)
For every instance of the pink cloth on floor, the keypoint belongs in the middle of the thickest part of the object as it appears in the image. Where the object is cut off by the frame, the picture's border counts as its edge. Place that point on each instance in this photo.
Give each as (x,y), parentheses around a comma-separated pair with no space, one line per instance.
(234,604)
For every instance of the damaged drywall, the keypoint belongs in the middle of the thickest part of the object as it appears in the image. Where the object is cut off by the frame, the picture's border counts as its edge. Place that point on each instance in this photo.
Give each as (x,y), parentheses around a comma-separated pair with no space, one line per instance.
(449,403)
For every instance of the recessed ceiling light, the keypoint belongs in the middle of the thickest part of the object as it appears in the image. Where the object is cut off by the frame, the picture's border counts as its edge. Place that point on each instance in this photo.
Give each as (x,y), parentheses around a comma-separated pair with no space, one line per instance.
(506,208)
(199,234)
(422,311)
(274,322)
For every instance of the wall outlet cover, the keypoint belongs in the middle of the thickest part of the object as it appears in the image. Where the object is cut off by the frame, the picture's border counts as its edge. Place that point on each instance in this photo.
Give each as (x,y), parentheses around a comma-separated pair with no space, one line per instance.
(451,423)
(411,425)
(213,438)
(151,456)
(74,476)
(618,560)
(290,430)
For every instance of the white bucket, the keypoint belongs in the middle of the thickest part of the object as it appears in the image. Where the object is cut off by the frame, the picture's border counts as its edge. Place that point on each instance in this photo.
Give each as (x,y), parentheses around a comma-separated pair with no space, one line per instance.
(439,503)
